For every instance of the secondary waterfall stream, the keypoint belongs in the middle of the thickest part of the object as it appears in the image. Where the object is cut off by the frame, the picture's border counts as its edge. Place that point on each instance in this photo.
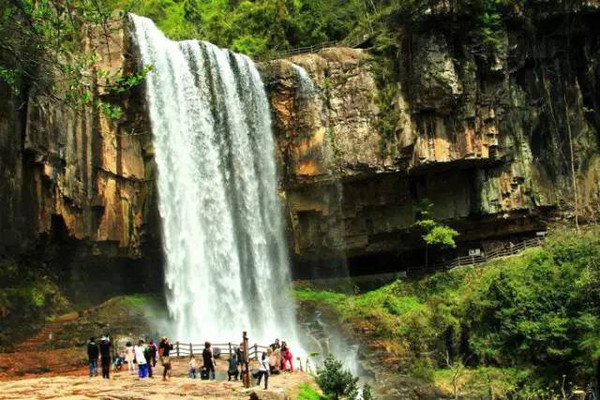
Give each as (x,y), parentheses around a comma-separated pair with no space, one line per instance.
(227,266)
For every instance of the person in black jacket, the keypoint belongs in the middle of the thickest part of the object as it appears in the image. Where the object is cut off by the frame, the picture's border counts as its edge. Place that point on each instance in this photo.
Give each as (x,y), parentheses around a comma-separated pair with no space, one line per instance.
(164,349)
(209,360)
(105,354)
(92,351)
(150,354)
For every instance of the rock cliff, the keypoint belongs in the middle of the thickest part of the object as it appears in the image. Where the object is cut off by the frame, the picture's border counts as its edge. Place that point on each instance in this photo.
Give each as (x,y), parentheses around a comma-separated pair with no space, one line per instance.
(493,142)
(488,140)
(77,185)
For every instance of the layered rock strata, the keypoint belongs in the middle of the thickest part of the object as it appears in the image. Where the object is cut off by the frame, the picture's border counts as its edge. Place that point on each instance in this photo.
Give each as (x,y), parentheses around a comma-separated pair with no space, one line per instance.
(487,139)
(77,187)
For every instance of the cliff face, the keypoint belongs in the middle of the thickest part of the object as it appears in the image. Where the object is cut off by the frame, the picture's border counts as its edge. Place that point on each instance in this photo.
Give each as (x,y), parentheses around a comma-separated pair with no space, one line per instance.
(79,186)
(487,139)
(77,170)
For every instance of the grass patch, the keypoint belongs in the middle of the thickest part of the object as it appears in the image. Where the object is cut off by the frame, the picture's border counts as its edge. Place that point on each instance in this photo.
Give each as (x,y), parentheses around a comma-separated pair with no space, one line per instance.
(481,382)
(141,300)
(307,392)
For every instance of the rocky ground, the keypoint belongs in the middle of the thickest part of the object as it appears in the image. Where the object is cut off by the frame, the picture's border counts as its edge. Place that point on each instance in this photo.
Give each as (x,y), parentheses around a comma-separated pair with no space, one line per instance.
(122,385)
(63,373)
(52,363)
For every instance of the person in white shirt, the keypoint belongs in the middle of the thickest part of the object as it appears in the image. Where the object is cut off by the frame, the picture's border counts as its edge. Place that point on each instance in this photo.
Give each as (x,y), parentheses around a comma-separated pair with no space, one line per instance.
(141,360)
(192,367)
(129,357)
(263,370)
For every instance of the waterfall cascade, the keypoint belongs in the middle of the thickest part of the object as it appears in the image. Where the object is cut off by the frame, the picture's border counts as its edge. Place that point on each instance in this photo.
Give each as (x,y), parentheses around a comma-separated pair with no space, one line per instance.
(227,266)
(307,87)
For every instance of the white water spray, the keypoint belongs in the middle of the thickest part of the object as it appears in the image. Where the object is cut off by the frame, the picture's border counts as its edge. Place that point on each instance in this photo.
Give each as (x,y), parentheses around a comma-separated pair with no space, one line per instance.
(307,87)
(227,265)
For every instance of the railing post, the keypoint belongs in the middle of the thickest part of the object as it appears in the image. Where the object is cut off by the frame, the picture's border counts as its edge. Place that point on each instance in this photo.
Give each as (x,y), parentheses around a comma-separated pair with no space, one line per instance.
(230,352)
(177,348)
(191,349)
(256,351)
(246,372)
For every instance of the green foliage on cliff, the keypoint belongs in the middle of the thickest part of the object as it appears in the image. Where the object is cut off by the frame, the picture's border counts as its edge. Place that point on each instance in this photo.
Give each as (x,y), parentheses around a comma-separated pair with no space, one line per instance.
(256,28)
(537,312)
(43,49)
(27,295)
(262,28)
(435,233)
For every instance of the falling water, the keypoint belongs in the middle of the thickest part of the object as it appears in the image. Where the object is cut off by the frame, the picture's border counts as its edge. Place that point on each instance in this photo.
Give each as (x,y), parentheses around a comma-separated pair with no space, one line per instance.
(226,256)
(307,87)
(319,335)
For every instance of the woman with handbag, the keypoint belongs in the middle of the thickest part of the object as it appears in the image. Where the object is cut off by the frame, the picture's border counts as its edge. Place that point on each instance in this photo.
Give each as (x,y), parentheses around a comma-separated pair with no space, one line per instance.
(164,349)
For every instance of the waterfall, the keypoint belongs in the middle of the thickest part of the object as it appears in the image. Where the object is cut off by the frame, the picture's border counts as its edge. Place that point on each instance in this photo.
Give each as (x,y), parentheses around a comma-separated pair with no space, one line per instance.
(227,266)
(307,87)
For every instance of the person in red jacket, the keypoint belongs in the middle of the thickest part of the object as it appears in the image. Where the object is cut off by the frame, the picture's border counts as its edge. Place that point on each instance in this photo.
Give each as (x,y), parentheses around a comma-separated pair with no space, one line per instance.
(286,357)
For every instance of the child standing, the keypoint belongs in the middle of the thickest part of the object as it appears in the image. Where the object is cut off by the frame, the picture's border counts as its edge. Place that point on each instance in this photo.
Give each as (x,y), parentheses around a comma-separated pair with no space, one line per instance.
(192,367)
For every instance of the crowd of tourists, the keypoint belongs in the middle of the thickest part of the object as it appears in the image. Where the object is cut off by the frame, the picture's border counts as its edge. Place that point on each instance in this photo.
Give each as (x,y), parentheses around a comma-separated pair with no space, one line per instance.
(142,355)
(276,359)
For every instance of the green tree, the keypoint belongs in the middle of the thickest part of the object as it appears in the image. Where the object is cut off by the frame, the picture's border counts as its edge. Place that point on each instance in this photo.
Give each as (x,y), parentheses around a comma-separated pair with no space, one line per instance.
(435,233)
(43,50)
(335,381)
(542,309)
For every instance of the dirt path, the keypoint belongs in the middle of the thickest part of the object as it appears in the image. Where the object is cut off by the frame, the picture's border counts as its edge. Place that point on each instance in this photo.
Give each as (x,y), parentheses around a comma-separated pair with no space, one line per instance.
(29,364)
(125,386)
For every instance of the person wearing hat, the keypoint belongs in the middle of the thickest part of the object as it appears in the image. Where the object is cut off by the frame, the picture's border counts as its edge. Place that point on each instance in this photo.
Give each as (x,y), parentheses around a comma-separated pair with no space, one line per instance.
(105,356)
(92,351)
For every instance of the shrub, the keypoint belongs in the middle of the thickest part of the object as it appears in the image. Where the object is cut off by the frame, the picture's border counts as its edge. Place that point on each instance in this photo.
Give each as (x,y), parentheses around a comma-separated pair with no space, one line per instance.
(335,381)
(422,369)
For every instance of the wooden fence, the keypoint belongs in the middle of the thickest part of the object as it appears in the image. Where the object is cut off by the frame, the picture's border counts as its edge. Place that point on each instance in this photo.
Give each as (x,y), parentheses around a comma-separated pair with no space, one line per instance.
(225,349)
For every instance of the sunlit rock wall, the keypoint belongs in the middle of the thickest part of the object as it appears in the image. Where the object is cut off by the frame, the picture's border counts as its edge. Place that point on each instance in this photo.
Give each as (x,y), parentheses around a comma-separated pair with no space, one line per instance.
(486,139)
(78,173)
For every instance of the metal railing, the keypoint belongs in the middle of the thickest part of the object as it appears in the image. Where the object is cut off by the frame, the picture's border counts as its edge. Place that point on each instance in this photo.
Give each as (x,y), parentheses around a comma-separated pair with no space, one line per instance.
(513,249)
(348,42)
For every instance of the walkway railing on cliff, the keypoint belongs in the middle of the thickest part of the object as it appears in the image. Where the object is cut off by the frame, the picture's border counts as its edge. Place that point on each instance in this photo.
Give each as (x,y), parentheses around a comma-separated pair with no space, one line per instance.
(348,42)
(511,250)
